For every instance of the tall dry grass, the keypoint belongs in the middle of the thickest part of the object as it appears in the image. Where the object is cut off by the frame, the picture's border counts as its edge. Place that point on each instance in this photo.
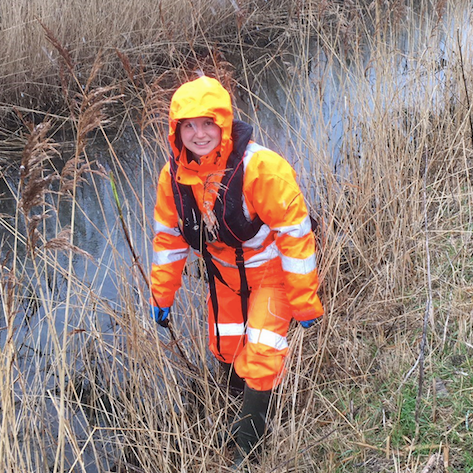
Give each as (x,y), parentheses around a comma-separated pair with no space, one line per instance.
(157,35)
(374,118)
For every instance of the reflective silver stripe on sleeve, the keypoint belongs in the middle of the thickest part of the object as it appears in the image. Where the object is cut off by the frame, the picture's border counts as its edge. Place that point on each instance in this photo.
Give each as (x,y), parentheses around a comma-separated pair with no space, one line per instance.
(298,266)
(250,150)
(169,256)
(265,337)
(229,330)
(160,228)
(296,231)
(269,253)
(258,240)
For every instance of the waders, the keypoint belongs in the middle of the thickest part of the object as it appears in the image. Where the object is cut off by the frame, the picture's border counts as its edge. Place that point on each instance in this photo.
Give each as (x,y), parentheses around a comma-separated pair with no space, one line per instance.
(252,423)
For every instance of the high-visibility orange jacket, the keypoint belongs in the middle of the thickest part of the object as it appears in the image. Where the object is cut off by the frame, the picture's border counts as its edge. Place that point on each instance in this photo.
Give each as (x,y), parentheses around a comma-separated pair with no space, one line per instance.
(279,260)
(284,247)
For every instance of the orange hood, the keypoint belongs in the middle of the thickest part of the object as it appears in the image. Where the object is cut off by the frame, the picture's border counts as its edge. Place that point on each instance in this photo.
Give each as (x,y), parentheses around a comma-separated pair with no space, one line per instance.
(203,97)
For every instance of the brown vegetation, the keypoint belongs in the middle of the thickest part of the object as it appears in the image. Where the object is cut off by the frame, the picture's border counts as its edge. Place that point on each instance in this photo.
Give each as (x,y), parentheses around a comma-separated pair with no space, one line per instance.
(89,383)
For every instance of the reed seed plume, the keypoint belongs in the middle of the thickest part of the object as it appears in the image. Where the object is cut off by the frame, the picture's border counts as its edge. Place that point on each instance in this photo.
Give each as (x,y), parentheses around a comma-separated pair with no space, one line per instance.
(36,177)
(62,242)
(64,53)
(153,121)
(368,100)
(91,113)
(133,75)
(38,149)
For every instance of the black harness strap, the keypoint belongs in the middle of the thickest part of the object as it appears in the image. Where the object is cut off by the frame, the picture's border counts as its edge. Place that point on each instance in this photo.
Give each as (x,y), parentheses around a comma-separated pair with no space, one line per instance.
(212,272)
(244,290)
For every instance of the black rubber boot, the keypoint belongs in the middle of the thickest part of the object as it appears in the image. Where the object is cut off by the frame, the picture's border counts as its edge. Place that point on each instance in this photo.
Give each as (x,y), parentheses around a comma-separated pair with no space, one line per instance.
(235,383)
(252,422)
(235,386)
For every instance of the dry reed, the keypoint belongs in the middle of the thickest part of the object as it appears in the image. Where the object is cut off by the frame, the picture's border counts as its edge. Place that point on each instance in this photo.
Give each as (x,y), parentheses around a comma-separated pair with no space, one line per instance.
(90,383)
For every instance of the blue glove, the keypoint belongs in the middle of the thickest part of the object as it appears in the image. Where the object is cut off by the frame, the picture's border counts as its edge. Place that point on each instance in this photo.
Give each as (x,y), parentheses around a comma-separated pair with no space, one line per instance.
(160,315)
(309,323)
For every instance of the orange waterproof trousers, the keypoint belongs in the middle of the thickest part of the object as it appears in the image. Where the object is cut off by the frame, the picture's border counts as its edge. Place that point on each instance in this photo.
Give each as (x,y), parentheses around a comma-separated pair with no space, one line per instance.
(258,350)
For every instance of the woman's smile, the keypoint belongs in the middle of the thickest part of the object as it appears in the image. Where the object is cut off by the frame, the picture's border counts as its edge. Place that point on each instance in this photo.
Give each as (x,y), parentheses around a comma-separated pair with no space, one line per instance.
(200,135)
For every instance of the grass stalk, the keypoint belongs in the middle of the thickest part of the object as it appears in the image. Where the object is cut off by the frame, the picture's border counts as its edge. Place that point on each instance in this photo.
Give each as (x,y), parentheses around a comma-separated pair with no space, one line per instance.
(428,315)
(366,104)
(467,95)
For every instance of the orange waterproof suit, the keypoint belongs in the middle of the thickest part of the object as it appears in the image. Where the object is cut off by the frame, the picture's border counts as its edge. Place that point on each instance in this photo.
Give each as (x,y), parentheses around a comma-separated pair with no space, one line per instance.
(279,260)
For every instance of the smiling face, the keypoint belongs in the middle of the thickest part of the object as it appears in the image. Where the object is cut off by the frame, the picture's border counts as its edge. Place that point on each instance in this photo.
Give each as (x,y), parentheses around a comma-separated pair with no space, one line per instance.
(200,135)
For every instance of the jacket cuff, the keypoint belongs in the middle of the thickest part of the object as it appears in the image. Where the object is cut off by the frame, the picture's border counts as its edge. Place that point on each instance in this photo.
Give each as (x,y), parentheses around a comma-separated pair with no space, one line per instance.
(161,301)
(308,314)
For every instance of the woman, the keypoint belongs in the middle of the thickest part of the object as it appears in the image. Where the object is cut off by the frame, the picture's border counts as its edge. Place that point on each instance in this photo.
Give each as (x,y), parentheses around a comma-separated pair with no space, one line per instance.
(239,206)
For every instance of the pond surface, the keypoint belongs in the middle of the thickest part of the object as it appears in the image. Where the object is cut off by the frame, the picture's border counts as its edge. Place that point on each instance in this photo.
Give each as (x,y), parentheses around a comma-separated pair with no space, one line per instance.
(305,112)
(302,109)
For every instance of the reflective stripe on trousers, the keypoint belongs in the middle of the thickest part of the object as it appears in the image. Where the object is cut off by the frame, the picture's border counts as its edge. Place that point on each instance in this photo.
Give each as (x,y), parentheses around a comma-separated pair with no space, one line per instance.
(258,355)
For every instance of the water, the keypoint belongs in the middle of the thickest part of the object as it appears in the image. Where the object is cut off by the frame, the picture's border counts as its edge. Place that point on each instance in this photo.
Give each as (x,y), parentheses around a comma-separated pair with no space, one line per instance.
(307,126)
(313,122)
(61,304)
